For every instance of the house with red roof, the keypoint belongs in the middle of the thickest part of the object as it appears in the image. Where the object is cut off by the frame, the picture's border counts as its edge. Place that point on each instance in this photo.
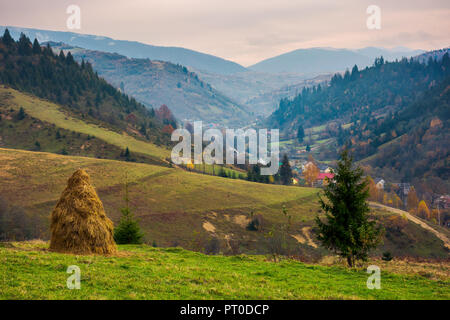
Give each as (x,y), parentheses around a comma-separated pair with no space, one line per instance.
(323,177)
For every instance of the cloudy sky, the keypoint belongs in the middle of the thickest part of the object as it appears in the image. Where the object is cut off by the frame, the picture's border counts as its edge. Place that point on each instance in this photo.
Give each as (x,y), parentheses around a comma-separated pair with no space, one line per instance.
(245,31)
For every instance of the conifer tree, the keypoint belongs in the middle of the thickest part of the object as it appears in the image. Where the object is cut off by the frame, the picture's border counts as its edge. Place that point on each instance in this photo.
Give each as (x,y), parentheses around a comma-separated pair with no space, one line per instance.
(128,230)
(285,171)
(300,134)
(346,229)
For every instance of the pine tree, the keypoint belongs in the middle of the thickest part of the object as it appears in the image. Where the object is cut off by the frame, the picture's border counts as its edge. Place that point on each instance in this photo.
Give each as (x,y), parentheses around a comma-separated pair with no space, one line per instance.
(36,47)
(300,134)
(128,230)
(127,154)
(24,45)
(347,229)
(7,39)
(285,171)
(21,114)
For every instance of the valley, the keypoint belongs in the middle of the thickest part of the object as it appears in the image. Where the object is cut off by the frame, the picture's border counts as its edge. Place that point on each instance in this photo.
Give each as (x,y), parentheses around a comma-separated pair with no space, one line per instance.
(86,140)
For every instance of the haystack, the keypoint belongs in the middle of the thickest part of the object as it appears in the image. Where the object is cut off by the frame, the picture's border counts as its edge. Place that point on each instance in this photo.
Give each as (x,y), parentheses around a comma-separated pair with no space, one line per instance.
(79,224)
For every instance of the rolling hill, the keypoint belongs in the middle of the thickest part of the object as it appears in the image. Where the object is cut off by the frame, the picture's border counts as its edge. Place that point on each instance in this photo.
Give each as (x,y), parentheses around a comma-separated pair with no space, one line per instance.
(49,127)
(132,49)
(158,82)
(179,208)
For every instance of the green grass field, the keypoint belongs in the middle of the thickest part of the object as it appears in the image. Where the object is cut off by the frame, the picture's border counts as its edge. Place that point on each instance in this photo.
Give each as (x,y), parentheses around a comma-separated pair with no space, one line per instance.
(52,113)
(29,271)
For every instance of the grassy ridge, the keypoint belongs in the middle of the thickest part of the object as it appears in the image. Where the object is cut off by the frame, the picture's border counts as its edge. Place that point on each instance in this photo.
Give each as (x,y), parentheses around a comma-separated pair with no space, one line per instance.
(176,207)
(52,113)
(172,204)
(29,271)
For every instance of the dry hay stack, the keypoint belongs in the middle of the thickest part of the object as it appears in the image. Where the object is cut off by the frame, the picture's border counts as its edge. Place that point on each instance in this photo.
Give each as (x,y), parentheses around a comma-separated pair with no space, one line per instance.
(79,224)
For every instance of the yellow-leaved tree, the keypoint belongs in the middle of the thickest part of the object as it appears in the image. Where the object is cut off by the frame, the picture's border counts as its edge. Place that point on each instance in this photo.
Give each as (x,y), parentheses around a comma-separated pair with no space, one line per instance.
(423,211)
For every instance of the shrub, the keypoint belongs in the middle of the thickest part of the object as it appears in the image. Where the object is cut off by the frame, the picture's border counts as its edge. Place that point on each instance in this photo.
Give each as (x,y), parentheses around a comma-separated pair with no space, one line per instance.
(212,246)
(387,256)
(255,223)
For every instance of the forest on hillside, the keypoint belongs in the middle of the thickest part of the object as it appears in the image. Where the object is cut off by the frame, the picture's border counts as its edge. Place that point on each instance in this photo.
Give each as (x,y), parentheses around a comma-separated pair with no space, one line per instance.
(31,68)
(393,117)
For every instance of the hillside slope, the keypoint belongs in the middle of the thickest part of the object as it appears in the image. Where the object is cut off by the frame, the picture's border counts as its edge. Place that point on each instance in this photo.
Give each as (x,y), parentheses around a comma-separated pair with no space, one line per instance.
(49,127)
(133,49)
(72,97)
(142,272)
(392,116)
(157,82)
(199,212)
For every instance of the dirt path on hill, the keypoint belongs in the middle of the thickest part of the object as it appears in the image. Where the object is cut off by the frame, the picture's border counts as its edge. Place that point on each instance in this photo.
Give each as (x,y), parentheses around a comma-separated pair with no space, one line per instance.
(416,220)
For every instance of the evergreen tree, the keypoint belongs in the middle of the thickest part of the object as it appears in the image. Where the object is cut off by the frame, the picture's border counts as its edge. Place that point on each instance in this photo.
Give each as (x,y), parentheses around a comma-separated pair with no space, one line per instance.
(24,45)
(300,134)
(21,114)
(7,39)
(347,229)
(127,154)
(36,47)
(128,230)
(285,171)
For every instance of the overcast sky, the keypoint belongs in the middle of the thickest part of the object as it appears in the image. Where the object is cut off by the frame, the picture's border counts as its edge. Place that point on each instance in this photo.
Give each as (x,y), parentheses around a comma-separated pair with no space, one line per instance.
(245,31)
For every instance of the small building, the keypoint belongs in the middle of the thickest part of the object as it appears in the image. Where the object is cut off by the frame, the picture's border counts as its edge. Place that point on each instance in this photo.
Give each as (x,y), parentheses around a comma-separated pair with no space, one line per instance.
(324,177)
(379,183)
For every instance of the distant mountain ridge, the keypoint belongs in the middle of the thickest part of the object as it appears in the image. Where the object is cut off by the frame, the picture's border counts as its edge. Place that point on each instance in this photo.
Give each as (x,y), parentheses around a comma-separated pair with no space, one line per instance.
(155,83)
(132,49)
(323,60)
(435,54)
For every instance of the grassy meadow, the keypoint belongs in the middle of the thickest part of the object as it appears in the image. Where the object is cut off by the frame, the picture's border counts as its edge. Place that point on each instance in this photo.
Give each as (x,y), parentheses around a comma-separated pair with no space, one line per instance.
(30,271)
(52,113)
(174,206)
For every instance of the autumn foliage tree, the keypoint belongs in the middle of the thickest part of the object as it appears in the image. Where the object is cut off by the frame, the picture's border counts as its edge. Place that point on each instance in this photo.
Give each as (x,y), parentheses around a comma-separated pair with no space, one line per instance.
(311,173)
(373,190)
(412,201)
(423,211)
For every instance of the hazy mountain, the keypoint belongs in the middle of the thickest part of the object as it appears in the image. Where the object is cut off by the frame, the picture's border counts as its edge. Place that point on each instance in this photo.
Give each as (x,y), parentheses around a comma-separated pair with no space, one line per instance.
(158,82)
(323,60)
(246,87)
(435,54)
(133,49)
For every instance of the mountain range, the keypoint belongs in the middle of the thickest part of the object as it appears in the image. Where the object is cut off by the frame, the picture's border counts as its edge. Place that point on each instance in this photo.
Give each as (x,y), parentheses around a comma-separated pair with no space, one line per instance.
(235,86)
(132,49)
(324,60)
(155,83)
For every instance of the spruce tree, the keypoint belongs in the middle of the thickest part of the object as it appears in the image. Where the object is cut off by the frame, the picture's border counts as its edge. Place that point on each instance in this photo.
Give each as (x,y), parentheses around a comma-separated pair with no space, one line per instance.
(347,229)
(128,230)
(285,171)
(7,39)
(300,134)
